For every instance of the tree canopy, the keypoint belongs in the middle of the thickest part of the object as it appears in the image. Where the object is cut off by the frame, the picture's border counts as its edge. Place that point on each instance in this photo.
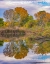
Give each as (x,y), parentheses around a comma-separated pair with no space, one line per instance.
(1,22)
(42,17)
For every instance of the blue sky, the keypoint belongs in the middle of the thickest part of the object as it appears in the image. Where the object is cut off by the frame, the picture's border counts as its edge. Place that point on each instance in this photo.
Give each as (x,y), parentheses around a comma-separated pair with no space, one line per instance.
(43,3)
(31,6)
(1,12)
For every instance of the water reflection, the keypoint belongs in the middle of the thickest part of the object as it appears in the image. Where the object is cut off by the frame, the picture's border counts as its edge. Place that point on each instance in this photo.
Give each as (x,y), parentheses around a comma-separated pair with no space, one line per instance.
(1,42)
(43,48)
(20,48)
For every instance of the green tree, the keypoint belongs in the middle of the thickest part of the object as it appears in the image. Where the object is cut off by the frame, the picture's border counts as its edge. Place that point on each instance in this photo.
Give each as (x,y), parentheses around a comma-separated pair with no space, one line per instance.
(30,22)
(1,22)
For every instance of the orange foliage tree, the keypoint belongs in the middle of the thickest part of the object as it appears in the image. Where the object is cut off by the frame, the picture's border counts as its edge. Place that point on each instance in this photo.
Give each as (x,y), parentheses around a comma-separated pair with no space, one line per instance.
(42,17)
(22,13)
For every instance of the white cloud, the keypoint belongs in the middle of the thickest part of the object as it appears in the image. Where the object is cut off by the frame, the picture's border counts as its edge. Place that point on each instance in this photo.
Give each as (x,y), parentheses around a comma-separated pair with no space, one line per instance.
(31,6)
(31,57)
(46,8)
(47,0)
(9,4)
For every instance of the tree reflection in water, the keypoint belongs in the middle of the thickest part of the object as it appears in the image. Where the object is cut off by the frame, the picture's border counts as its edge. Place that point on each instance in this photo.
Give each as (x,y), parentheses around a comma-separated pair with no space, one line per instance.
(1,42)
(17,49)
(42,48)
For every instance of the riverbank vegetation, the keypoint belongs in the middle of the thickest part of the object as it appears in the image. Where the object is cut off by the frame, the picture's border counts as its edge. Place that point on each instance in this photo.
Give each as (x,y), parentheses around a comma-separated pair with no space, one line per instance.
(19,18)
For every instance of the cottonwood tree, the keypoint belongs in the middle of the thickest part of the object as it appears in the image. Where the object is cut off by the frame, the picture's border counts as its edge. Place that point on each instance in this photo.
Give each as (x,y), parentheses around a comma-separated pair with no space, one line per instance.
(10,16)
(18,14)
(22,15)
(43,17)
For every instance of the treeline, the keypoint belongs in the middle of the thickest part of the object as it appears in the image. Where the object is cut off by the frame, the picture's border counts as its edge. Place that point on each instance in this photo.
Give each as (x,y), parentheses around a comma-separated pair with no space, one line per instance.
(20,17)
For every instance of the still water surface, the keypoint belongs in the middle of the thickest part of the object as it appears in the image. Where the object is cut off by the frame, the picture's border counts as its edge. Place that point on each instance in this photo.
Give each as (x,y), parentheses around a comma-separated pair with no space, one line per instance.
(24,51)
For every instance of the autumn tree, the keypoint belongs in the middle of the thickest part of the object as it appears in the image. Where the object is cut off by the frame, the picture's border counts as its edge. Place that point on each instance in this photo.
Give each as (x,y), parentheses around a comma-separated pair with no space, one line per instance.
(22,15)
(18,14)
(42,17)
(10,16)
